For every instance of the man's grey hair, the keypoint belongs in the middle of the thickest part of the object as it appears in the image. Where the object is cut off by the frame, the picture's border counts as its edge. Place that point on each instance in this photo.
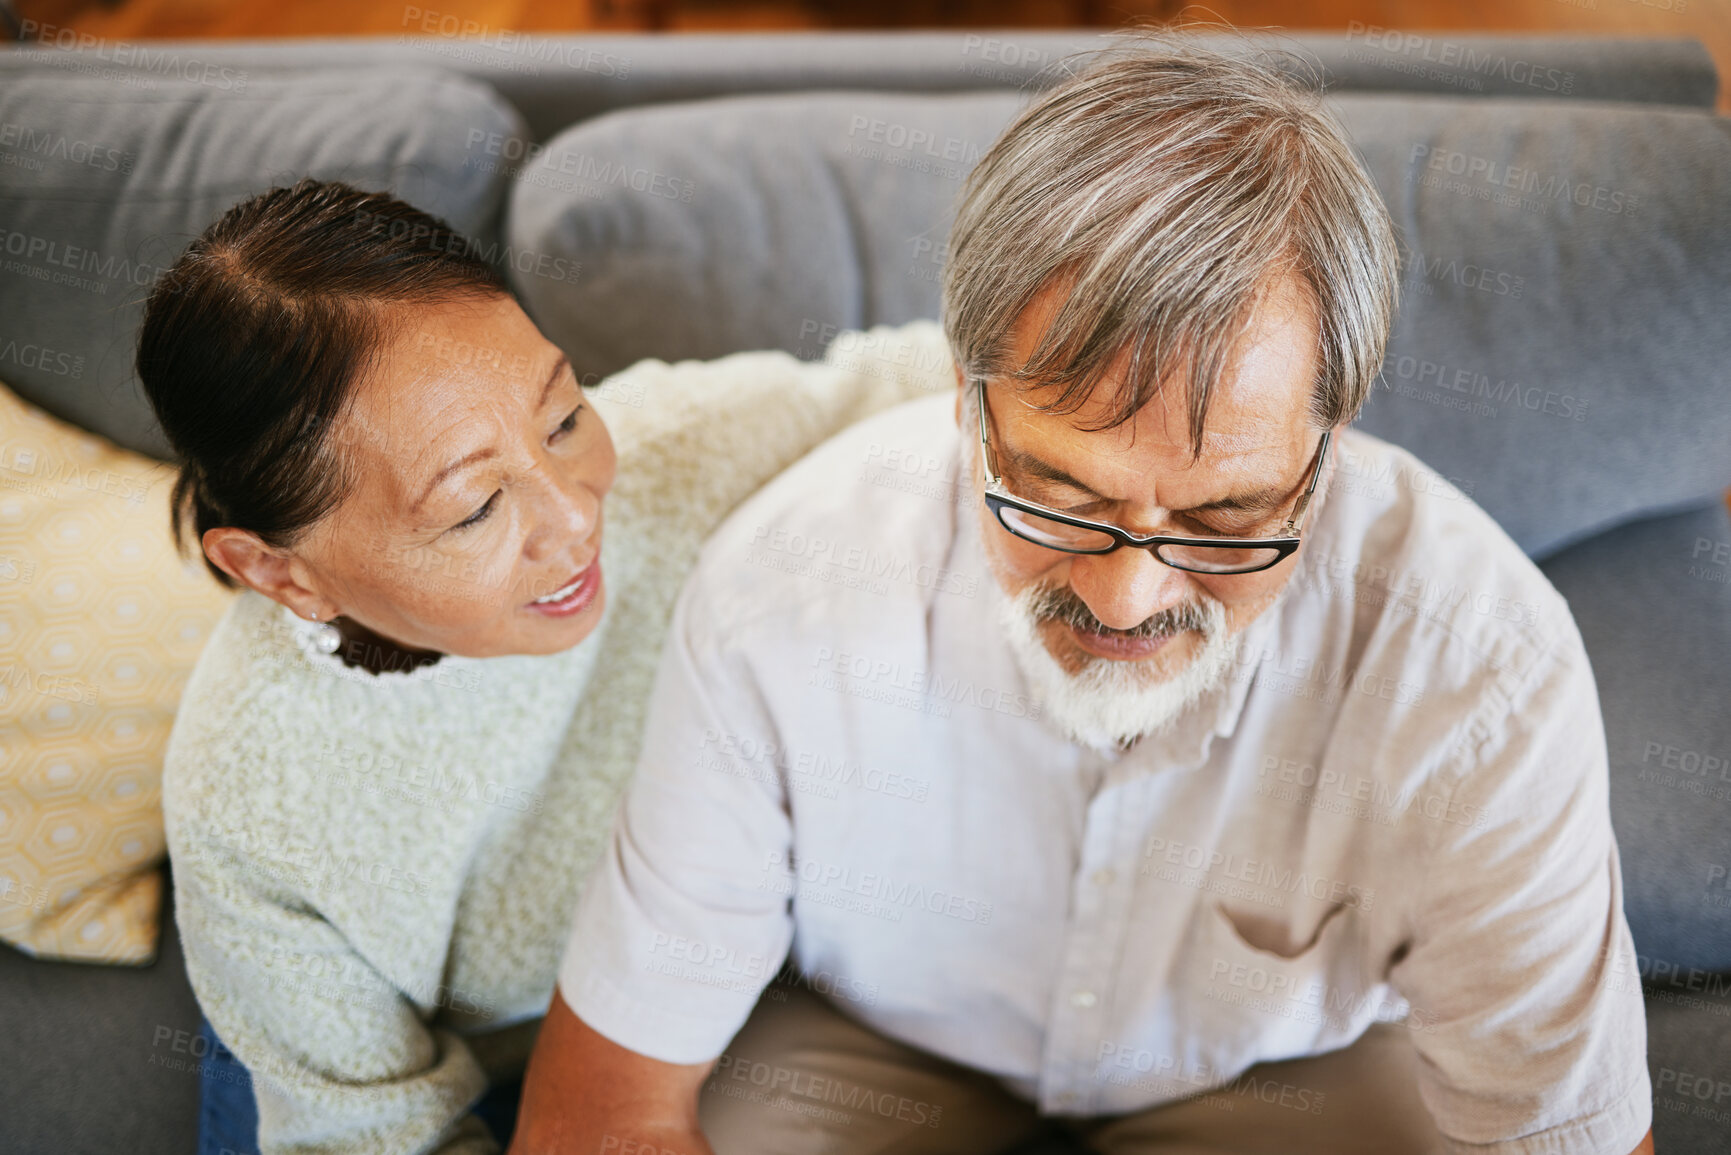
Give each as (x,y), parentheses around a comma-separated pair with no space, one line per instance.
(1170,187)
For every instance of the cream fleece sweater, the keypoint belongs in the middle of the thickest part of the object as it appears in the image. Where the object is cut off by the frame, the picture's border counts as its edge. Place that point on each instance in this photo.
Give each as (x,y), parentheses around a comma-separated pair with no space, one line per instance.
(375,875)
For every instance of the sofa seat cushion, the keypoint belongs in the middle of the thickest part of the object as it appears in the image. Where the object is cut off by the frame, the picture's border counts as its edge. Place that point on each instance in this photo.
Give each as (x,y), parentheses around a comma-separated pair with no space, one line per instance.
(1653,603)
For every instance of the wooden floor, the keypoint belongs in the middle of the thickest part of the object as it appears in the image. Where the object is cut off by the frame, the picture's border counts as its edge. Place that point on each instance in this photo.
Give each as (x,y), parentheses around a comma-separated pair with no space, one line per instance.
(1708,20)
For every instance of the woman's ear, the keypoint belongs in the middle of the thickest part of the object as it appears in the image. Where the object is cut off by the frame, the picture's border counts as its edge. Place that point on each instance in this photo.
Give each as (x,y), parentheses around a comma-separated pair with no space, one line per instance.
(245,557)
(960,385)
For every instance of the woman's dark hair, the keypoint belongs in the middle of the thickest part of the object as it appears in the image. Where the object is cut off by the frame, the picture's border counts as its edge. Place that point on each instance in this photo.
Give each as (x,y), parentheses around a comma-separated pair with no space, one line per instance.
(254,340)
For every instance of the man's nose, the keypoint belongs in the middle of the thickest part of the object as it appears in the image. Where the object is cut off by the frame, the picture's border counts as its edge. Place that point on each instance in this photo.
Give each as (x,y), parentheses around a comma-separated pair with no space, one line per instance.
(565,515)
(1126,587)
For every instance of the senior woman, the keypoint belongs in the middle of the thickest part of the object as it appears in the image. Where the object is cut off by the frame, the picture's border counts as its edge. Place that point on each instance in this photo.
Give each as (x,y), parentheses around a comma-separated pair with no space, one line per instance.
(400,752)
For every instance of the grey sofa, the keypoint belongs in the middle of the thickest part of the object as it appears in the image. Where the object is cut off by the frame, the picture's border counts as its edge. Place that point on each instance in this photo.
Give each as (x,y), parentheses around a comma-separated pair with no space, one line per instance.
(1563,353)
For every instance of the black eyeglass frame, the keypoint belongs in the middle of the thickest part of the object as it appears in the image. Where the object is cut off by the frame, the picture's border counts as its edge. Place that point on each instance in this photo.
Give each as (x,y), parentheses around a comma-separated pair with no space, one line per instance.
(998,497)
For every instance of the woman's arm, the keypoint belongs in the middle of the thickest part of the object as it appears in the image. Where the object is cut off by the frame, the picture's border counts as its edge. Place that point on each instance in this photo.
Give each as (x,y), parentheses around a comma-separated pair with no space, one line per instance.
(341,1061)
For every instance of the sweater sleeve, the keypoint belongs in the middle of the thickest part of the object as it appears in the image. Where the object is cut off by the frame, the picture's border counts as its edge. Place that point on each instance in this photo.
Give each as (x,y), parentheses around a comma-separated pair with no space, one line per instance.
(697,438)
(373,1078)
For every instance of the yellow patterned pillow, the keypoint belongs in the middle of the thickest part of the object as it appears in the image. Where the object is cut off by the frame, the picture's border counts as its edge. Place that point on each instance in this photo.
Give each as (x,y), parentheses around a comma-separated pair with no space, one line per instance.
(100,623)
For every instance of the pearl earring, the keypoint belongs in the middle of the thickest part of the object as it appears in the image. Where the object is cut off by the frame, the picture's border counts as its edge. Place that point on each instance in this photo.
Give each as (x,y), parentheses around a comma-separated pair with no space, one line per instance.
(326,639)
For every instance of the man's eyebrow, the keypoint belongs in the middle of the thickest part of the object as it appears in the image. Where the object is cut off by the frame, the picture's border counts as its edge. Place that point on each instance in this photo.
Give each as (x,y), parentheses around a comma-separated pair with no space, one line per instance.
(483,454)
(1255,501)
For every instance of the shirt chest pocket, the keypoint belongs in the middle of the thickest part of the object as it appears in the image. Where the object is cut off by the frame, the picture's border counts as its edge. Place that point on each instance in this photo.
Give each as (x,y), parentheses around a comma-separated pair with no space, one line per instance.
(1244,1004)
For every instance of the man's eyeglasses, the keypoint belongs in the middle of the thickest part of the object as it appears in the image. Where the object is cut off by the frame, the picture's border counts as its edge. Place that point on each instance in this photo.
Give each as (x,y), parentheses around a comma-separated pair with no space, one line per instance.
(1060,531)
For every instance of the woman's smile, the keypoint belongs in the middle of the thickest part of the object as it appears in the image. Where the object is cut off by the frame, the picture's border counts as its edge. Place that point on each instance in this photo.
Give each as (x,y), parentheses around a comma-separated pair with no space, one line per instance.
(573,597)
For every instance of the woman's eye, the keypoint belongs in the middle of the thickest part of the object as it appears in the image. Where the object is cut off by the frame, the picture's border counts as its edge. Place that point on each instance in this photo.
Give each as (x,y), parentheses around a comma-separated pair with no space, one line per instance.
(479,515)
(570,421)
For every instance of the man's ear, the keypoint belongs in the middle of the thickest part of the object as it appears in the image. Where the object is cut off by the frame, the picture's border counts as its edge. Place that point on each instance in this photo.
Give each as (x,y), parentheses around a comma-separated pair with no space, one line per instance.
(961,385)
(245,557)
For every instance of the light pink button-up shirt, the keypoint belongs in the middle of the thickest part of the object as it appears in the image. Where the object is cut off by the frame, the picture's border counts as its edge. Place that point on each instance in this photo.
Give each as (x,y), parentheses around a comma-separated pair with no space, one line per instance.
(1394,807)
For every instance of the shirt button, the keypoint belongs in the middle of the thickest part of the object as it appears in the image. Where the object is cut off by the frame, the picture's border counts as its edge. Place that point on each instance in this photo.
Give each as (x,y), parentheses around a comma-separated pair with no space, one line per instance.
(1083,999)
(1104,876)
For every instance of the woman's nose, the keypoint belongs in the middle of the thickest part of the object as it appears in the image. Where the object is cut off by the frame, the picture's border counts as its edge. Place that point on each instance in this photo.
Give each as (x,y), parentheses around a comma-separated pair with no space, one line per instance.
(1126,587)
(566,514)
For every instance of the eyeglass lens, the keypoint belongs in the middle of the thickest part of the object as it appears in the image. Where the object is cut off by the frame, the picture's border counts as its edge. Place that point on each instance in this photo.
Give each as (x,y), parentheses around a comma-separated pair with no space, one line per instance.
(1079,539)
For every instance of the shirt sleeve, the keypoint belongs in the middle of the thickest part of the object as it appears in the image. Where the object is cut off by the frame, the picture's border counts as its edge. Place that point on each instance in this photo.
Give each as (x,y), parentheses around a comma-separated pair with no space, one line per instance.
(686,918)
(340,1061)
(1526,1005)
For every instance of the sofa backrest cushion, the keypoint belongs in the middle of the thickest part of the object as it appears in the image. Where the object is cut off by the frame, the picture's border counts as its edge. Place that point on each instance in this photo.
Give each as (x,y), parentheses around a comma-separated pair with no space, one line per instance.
(1562,351)
(103,183)
(555,81)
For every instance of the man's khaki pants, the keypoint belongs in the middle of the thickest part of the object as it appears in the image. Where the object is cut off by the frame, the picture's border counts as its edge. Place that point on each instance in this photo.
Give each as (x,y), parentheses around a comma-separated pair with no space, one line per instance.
(802,1078)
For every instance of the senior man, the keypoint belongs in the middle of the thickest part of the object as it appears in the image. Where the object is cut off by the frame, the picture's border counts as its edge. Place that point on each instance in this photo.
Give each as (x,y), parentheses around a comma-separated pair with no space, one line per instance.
(1193,774)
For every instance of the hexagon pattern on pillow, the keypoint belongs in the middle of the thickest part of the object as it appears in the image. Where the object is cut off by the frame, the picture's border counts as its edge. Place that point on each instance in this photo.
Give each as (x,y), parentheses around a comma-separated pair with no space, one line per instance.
(100,623)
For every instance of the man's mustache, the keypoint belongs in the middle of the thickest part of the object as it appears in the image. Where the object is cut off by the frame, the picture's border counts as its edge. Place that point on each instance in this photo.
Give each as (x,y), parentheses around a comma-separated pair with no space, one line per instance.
(1061,604)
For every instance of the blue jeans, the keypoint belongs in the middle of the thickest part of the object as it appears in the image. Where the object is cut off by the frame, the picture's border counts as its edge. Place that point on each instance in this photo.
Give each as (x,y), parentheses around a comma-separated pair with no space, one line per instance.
(228,1113)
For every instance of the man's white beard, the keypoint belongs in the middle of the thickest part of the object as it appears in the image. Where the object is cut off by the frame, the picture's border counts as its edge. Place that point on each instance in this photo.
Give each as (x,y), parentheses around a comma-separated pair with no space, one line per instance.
(1110,703)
